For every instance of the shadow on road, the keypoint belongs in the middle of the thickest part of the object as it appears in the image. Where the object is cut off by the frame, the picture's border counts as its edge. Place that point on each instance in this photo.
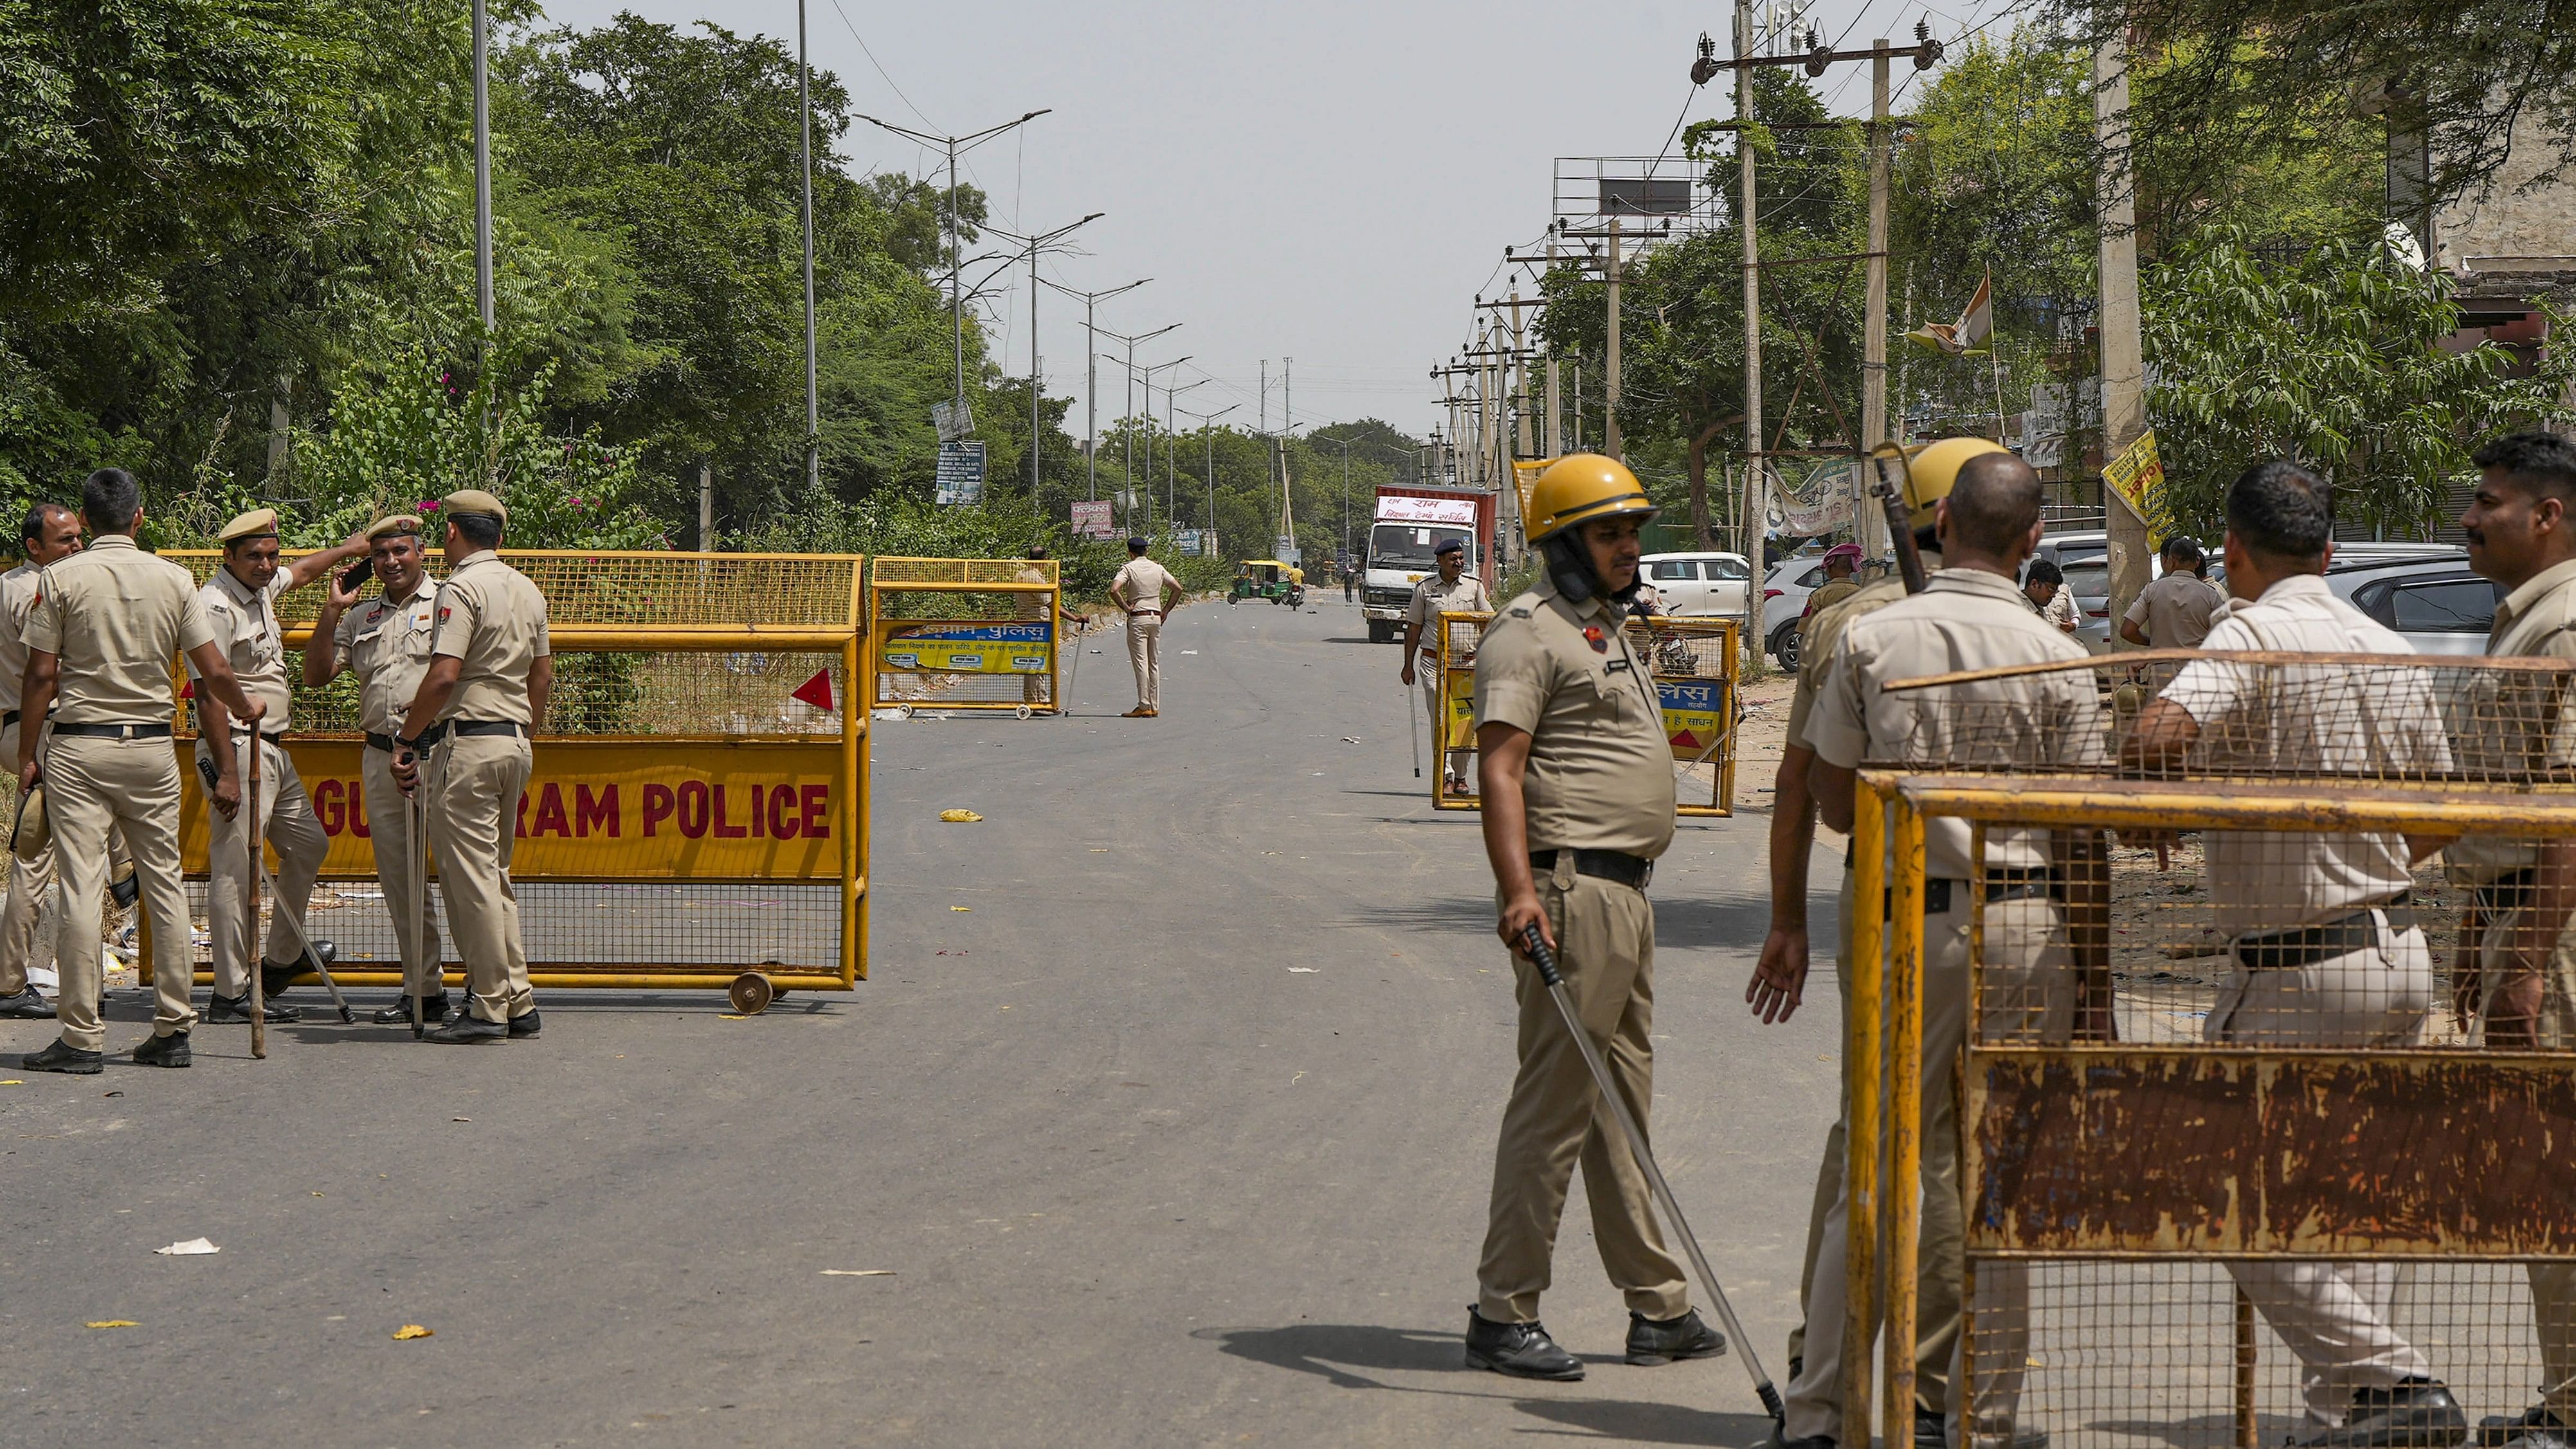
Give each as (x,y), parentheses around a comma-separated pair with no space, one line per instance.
(2200,1430)
(1333,1350)
(1679,922)
(1630,1422)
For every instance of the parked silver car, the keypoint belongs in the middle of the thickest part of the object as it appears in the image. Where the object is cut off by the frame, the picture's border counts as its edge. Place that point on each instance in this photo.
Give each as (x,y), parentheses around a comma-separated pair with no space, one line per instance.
(2434,600)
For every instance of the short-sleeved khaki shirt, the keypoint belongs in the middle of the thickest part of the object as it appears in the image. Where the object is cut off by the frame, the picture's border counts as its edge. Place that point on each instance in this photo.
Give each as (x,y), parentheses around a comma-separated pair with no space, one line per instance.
(245,624)
(1432,598)
(1142,584)
(1822,629)
(491,617)
(113,615)
(17,598)
(2508,727)
(1600,774)
(2174,611)
(1964,619)
(385,642)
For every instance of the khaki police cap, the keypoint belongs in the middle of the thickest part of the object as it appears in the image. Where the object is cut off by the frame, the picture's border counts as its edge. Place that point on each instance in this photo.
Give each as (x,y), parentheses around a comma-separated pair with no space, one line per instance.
(399,526)
(474,500)
(258,523)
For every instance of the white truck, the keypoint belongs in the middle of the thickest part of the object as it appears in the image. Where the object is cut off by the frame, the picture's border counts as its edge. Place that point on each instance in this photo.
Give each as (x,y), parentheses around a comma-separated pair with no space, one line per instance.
(1410,524)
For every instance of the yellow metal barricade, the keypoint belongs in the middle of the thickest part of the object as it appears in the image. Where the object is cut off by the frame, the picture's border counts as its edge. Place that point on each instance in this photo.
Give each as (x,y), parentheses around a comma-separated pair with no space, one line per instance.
(698,813)
(965,633)
(1694,662)
(2182,1134)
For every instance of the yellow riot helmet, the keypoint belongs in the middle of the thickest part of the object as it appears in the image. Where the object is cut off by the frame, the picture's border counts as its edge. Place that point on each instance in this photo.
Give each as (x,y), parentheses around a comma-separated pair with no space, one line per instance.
(1581,487)
(1925,472)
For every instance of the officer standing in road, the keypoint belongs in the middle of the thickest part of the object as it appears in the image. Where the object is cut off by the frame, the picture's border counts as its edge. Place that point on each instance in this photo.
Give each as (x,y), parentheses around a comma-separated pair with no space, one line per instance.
(385,642)
(2325,950)
(49,532)
(1146,593)
(1450,590)
(240,602)
(491,667)
(99,641)
(2174,612)
(1577,779)
(1970,616)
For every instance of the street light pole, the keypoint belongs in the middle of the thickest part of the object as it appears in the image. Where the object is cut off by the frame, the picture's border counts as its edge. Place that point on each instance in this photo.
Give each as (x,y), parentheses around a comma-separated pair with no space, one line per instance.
(1038,242)
(1149,433)
(1209,434)
(1171,445)
(954,146)
(805,165)
(1091,374)
(1128,420)
(483,170)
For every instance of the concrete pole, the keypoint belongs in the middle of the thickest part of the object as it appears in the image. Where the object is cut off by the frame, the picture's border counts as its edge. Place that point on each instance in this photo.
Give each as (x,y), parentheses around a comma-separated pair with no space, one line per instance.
(1090,403)
(483,166)
(1755,505)
(805,165)
(1869,525)
(2124,398)
(706,508)
(1610,397)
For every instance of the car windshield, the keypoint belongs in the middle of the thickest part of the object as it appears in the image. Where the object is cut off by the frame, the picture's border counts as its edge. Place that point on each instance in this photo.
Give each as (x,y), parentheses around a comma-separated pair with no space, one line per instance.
(2088,578)
(1410,545)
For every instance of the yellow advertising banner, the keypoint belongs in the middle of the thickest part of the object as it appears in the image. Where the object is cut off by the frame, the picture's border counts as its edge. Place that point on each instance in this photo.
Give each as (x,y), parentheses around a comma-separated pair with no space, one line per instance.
(611,808)
(2137,473)
(965,647)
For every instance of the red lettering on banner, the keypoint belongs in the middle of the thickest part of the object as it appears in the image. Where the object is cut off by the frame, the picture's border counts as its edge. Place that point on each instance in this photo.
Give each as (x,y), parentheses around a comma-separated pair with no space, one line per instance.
(329,807)
(693,808)
(551,819)
(657,807)
(723,830)
(589,810)
(782,812)
(357,816)
(818,801)
(759,824)
(520,830)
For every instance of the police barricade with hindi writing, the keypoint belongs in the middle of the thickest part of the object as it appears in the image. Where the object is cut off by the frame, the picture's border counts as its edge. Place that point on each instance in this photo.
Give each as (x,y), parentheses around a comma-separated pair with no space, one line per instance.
(2216,1098)
(1694,663)
(964,633)
(698,812)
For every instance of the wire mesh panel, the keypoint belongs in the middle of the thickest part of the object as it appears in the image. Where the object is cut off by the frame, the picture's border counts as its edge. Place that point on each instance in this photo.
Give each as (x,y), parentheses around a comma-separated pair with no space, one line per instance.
(968,634)
(1694,664)
(648,590)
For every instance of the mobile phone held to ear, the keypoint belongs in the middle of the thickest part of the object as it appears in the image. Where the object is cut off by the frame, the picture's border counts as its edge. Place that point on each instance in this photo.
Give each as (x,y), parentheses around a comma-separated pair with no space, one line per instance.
(356,578)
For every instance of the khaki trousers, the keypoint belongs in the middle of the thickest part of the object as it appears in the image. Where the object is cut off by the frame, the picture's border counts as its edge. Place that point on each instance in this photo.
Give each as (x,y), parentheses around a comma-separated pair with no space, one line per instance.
(2334,1316)
(1938,1265)
(28,881)
(1605,938)
(1145,656)
(2030,979)
(94,787)
(2553,1285)
(473,824)
(285,821)
(389,826)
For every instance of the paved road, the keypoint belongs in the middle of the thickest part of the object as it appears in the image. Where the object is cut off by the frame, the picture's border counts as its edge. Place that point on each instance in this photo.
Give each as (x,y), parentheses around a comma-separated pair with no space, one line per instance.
(1179,1134)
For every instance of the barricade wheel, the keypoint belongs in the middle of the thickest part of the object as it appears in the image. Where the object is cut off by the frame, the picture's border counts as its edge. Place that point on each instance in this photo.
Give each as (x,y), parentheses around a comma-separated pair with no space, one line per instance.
(751,993)
(903,711)
(1023,711)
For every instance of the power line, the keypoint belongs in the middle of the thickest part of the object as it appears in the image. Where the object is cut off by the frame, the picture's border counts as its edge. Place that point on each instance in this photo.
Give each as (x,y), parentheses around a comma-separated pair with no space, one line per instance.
(881,70)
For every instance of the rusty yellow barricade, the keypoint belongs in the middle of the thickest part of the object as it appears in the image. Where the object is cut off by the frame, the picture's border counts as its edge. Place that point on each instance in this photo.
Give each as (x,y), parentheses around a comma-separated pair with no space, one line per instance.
(698,815)
(1694,662)
(2201,1124)
(965,633)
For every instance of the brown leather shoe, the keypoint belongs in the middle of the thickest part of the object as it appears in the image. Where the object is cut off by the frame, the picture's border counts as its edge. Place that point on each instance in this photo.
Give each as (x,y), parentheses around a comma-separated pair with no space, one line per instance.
(1139,712)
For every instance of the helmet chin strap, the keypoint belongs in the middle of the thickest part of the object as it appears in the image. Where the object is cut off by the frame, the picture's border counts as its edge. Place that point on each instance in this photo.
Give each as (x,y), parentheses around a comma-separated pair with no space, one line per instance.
(1569,567)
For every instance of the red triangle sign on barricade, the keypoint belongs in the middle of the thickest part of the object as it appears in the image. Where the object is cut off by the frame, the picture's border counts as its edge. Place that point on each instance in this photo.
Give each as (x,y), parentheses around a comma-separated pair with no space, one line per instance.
(1685,740)
(816,691)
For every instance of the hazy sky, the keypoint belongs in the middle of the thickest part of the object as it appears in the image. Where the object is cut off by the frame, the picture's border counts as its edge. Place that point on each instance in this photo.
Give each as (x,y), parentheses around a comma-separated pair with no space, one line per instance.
(1330,181)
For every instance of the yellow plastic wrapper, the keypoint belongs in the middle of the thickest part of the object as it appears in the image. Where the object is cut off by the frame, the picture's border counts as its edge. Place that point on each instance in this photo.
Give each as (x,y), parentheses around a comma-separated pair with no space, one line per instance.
(959,817)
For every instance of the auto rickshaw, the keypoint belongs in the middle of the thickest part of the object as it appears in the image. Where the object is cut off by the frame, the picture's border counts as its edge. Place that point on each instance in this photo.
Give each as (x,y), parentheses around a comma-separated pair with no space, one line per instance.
(1268,578)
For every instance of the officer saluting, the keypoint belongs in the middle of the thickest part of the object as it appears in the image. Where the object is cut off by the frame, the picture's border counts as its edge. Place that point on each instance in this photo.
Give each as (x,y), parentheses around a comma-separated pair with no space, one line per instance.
(489,672)
(240,603)
(99,641)
(386,644)
(1577,779)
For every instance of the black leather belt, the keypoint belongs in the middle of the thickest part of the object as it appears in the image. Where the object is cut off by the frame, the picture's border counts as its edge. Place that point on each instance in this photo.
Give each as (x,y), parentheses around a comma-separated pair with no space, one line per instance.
(2508,892)
(8,717)
(272,736)
(113,731)
(470,728)
(385,743)
(2279,950)
(2001,885)
(1632,871)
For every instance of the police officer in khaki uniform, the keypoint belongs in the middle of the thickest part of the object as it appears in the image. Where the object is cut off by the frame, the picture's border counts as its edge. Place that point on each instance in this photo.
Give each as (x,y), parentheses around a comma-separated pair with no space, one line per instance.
(106,621)
(240,602)
(1451,590)
(2515,982)
(1971,615)
(1146,593)
(385,642)
(491,667)
(2324,949)
(50,532)
(2174,612)
(1577,780)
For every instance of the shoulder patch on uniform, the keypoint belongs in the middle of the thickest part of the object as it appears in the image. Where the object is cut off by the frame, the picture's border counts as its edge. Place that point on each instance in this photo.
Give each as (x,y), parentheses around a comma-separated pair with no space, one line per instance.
(1518,611)
(1593,636)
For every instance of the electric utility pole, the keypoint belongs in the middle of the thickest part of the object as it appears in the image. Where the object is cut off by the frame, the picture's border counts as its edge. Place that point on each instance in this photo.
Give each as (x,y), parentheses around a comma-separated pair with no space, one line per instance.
(954,146)
(2124,401)
(483,170)
(805,168)
(1869,525)
(1746,218)
(1091,375)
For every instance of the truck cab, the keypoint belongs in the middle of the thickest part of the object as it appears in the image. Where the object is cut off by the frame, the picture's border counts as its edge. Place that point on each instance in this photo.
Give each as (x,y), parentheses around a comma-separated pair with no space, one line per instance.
(1411,524)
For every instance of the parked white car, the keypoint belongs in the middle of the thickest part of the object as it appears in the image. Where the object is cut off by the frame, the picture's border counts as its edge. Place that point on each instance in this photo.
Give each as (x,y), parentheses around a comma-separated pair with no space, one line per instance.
(1699,585)
(1784,604)
(2434,600)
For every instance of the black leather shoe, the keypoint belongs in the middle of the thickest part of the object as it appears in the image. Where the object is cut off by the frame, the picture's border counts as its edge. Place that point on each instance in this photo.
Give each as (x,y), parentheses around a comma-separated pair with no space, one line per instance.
(2535,1436)
(467,1029)
(276,977)
(127,889)
(2495,1430)
(2417,1414)
(1521,1350)
(1652,1342)
(163,1051)
(525,1027)
(235,1011)
(1780,1439)
(433,1011)
(64,1057)
(27,1005)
